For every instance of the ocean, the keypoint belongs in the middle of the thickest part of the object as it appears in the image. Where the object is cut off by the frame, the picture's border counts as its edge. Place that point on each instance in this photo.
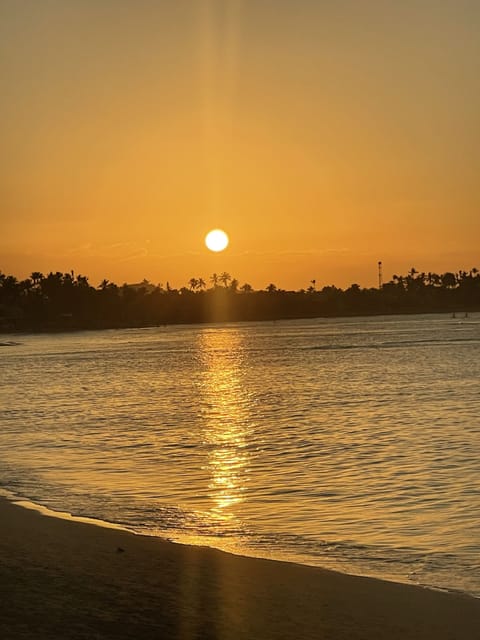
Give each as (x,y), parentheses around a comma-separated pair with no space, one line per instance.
(350,444)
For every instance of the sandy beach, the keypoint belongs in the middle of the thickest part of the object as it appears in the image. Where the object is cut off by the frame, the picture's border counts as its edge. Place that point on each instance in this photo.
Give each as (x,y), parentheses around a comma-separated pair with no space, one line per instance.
(64,579)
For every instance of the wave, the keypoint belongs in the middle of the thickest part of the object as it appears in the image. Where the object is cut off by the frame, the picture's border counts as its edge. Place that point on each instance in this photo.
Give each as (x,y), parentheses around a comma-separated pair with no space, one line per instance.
(408,565)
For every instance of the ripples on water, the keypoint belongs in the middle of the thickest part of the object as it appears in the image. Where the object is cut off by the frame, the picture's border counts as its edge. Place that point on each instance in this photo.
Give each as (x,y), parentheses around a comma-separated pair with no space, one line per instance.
(351,444)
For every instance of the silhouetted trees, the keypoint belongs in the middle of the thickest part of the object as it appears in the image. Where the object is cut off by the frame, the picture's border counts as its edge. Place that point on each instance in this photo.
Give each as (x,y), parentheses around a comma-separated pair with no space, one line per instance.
(65,301)
(225,278)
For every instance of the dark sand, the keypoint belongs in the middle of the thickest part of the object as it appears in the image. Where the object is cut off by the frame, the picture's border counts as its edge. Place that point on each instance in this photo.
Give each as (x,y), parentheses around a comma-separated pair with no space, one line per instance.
(63,579)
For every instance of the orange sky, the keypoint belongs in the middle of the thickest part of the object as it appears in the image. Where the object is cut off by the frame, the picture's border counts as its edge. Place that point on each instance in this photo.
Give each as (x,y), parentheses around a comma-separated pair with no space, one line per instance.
(322,137)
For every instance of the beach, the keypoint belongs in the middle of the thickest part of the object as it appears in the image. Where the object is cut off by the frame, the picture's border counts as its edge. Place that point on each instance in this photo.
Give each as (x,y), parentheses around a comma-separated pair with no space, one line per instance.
(65,579)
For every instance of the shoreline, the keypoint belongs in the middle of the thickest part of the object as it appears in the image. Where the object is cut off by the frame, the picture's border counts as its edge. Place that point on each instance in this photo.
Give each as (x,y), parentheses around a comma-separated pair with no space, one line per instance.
(28,504)
(63,578)
(184,323)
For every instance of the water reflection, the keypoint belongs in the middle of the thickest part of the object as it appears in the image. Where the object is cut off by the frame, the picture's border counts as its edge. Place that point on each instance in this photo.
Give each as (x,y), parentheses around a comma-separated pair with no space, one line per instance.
(225,407)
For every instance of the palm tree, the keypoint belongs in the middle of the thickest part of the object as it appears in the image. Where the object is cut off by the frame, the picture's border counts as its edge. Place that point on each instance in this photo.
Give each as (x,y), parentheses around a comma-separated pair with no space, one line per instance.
(193,283)
(271,288)
(103,285)
(10,287)
(201,283)
(36,277)
(234,284)
(67,279)
(225,278)
(82,281)
(214,279)
(52,284)
(246,288)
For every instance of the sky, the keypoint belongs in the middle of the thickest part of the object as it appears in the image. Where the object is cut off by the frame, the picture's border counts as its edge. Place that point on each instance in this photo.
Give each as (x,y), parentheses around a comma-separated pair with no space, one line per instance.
(321,136)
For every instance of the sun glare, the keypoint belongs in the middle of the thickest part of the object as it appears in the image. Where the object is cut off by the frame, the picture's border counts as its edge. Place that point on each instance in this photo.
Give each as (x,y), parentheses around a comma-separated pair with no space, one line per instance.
(216,240)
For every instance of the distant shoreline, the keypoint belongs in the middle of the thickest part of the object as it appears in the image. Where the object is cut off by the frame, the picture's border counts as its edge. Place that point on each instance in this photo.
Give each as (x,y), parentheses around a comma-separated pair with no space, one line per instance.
(458,315)
(67,302)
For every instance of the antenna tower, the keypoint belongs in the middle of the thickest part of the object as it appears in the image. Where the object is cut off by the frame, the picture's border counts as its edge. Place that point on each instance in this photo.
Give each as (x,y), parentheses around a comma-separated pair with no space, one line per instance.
(380,276)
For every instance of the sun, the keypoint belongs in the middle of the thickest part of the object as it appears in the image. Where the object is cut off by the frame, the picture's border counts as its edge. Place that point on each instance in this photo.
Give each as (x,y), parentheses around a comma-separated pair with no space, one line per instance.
(216,240)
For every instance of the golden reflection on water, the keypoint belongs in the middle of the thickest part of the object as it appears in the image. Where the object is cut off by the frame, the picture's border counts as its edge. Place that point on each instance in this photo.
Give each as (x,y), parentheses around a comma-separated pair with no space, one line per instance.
(225,407)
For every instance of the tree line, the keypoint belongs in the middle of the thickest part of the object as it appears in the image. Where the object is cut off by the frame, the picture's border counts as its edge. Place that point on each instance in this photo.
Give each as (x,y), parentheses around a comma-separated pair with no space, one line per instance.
(66,301)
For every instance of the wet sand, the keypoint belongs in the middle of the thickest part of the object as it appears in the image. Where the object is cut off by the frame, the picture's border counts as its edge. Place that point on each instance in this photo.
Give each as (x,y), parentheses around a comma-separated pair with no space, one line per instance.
(64,579)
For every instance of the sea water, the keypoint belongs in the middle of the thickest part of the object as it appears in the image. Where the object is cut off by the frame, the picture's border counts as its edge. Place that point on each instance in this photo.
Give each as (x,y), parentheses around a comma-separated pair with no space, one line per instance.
(351,444)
